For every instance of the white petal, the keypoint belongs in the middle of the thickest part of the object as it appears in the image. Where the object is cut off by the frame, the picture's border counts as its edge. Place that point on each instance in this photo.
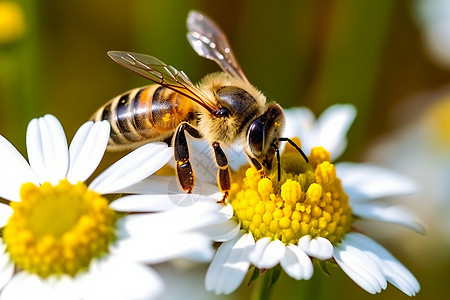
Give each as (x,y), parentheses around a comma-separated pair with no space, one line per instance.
(160,202)
(168,185)
(299,123)
(142,203)
(332,128)
(162,236)
(355,267)
(236,157)
(329,130)
(319,247)
(296,263)
(258,250)
(6,273)
(86,150)
(60,287)
(230,264)
(5,212)
(174,221)
(387,213)
(29,286)
(267,253)
(114,278)
(227,210)
(393,270)
(6,266)
(365,182)
(4,258)
(15,171)
(47,149)
(63,287)
(222,232)
(367,261)
(132,168)
(22,286)
(202,161)
(160,248)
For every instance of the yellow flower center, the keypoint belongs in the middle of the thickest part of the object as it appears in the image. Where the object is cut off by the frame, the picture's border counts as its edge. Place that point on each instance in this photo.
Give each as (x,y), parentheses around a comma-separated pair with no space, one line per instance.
(308,199)
(58,229)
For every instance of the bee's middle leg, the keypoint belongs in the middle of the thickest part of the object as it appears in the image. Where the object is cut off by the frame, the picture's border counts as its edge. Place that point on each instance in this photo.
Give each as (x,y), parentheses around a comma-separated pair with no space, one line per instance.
(185,173)
(223,175)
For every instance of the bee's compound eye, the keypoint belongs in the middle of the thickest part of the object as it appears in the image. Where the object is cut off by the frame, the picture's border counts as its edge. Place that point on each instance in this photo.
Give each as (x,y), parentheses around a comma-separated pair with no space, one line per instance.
(255,135)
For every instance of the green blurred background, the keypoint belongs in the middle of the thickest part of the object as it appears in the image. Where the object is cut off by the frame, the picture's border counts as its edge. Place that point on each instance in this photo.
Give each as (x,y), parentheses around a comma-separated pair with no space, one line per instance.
(309,53)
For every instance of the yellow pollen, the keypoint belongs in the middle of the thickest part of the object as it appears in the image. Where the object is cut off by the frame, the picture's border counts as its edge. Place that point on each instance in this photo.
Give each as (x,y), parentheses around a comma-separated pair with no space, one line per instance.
(166,118)
(308,199)
(58,229)
(319,155)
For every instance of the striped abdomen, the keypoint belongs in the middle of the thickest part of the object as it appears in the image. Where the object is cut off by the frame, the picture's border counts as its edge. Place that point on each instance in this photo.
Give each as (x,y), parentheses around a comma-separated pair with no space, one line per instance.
(145,114)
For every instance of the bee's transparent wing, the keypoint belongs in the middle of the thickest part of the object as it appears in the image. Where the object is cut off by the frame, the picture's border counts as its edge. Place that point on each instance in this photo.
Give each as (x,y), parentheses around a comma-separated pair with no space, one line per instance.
(152,68)
(209,41)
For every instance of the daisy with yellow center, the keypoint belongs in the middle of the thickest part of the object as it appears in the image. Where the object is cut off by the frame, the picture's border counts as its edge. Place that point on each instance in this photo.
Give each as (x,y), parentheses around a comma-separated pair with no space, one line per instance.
(310,212)
(63,239)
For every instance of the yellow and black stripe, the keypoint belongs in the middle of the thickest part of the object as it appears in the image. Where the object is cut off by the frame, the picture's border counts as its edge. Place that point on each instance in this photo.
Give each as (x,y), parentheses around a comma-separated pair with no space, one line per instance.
(145,114)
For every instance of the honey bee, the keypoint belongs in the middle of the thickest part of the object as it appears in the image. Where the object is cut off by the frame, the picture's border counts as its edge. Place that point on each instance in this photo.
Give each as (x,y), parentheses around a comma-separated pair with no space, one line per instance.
(222,109)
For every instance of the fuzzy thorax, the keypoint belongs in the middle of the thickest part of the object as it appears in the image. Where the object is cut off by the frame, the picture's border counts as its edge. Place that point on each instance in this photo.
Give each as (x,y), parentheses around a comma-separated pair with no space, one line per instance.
(243,101)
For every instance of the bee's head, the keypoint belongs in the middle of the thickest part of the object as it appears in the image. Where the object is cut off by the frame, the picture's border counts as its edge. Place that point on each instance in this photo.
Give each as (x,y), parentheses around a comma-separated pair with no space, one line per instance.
(263,132)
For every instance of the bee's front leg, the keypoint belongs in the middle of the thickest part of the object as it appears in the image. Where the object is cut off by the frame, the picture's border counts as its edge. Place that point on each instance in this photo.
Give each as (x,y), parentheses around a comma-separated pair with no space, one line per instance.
(223,175)
(257,165)
(185,173)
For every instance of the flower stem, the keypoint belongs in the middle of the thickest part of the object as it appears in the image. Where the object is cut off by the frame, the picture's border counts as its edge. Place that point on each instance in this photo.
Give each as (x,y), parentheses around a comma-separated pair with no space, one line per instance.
(264,289)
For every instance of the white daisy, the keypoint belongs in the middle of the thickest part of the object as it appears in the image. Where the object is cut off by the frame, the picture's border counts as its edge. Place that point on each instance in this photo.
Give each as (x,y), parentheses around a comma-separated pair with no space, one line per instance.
(60,238)
(420,148)
(311,211)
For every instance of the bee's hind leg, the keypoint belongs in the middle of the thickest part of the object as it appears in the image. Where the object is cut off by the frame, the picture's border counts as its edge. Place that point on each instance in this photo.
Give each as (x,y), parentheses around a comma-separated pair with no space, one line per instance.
(185,173)
(223,175)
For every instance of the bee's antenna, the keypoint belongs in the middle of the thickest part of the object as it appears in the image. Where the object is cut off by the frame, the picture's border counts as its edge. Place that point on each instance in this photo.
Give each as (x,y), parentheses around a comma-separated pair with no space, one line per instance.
(278,160)
(281,139)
